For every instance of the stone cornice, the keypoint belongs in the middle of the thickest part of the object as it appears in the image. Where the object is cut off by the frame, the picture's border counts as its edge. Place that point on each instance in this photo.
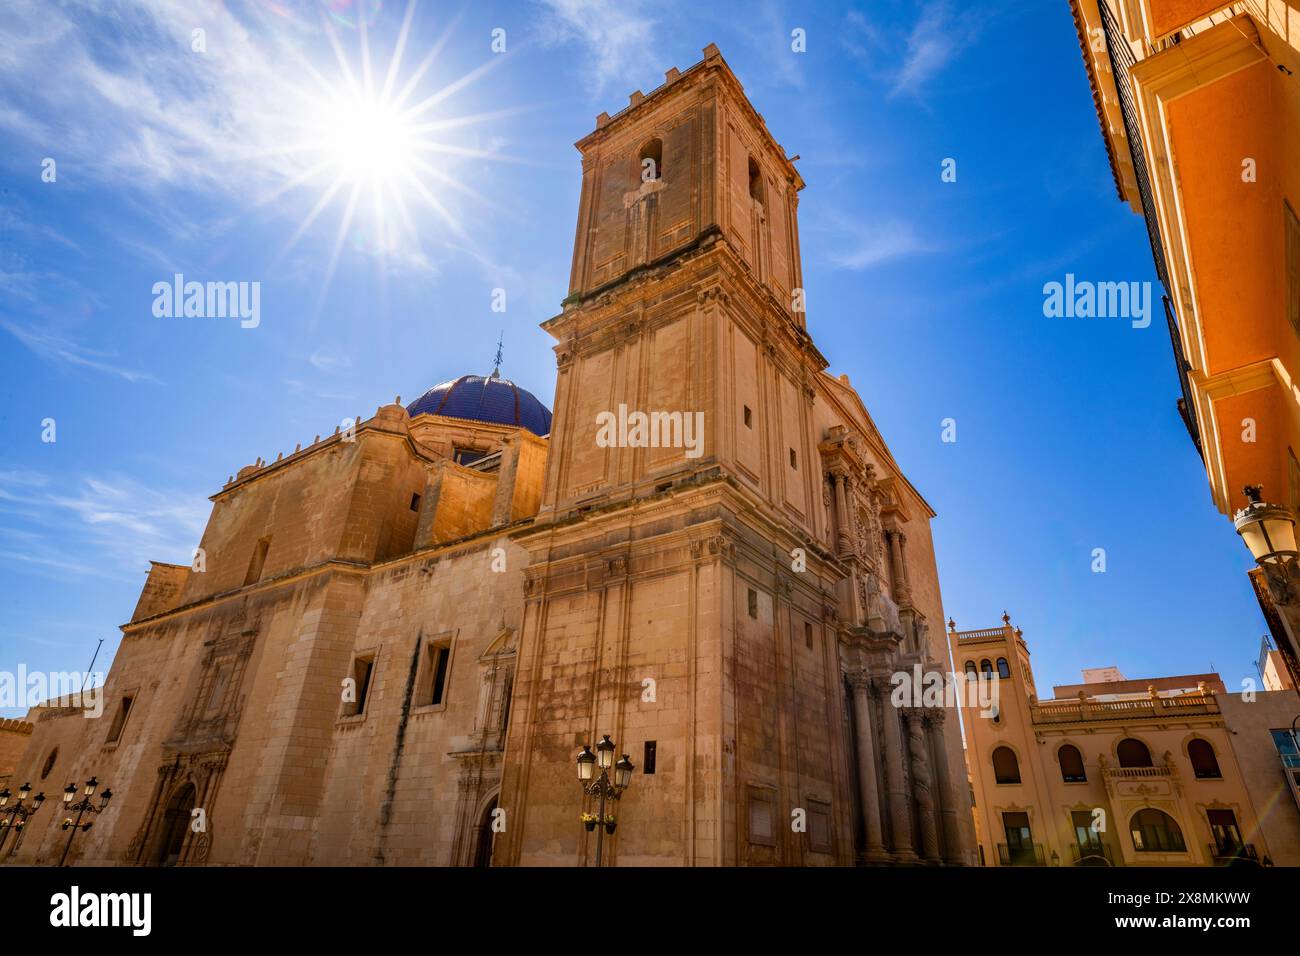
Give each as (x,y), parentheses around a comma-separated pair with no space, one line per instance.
(434,552)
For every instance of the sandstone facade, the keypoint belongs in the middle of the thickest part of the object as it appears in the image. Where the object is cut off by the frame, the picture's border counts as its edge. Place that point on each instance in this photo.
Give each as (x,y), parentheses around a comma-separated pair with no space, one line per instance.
(393,652)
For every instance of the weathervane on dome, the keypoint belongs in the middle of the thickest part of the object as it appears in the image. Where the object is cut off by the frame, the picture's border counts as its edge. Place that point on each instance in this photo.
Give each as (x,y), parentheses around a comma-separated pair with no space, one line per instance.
(496,371)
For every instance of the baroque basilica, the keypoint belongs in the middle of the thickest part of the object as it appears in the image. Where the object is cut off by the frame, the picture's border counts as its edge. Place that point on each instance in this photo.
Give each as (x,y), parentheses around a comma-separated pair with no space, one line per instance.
(402,635)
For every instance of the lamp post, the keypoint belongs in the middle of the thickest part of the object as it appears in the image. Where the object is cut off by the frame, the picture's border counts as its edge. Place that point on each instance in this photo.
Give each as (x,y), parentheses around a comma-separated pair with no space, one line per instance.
(15,817)
(601,786)
(1269,532)
(82,807)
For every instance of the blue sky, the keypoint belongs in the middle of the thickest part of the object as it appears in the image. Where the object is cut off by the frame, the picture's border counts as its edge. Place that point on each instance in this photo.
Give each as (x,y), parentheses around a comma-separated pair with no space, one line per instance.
(928,294)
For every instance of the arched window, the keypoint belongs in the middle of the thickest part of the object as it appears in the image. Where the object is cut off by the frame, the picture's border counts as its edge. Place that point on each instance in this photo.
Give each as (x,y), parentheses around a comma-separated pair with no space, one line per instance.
(652,161)
(970,669)
(1204,764)
(1003,669)
(1133,753)
(1155,831)
(1006,768)
(755,181)
(49,763)
(986,668)
(1071,764)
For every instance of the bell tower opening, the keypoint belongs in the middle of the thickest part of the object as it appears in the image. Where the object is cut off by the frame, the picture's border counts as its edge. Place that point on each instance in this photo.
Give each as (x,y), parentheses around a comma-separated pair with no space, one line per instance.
(755,181)
(652,161)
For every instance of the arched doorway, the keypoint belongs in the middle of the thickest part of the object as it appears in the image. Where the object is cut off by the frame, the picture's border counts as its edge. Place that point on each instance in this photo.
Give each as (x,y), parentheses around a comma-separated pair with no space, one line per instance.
(483,835)
(173,827)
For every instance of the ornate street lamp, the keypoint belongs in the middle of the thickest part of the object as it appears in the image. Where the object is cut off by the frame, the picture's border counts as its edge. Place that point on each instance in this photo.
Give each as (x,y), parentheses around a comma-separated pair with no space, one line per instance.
(15,817)
(1269,532)
(602,786)
(82,807)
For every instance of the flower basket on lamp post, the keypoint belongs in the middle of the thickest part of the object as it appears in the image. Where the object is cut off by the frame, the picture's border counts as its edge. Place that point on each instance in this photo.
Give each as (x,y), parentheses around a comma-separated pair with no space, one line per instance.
(602,787)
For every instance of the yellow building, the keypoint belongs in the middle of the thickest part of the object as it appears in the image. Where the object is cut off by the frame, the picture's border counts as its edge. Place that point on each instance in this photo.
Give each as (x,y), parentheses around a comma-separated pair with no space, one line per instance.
(1199,103)
(1172,771)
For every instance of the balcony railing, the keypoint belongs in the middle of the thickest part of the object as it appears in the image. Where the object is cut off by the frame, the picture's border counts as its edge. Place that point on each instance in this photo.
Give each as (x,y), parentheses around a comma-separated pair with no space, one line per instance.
(974,637)
(1025,854)
(1076,711)
(1091,854)
(1122,61)
(1138,773)
(1186,404)
(1234,854)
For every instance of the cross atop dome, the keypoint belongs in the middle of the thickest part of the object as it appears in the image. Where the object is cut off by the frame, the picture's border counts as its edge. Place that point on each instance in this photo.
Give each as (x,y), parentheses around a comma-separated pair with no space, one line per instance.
(496,362)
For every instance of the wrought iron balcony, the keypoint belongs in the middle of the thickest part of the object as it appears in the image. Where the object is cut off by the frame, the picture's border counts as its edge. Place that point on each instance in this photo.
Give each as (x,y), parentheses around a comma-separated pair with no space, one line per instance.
(1091,854)
(1025,854)
(1234,854)
(1122,61)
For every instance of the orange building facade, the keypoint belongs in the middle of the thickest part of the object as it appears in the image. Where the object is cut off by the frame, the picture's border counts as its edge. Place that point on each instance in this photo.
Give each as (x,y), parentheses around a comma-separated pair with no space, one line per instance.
(1199,105)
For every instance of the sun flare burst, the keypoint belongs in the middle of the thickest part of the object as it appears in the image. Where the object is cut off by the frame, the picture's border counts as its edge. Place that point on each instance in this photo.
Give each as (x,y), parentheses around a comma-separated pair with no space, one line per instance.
(381,147)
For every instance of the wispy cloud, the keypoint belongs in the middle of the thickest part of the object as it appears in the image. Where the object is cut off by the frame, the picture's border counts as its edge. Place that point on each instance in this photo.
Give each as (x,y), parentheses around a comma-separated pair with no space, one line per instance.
(874,243)
(619,40)
(326,362)
(320,392)
(62,351)
(99,526)
(938,35)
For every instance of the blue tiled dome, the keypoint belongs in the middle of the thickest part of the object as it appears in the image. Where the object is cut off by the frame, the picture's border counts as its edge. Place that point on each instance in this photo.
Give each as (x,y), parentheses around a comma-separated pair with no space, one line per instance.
(494,399)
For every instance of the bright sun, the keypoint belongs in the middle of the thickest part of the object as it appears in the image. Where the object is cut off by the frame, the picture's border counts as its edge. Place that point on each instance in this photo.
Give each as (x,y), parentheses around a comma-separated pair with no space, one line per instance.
(368,142)
(380,146)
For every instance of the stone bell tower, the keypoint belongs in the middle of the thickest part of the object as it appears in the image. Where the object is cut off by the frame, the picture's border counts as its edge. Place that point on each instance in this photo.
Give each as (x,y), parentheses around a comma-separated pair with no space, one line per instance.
(689,590)
(687,213)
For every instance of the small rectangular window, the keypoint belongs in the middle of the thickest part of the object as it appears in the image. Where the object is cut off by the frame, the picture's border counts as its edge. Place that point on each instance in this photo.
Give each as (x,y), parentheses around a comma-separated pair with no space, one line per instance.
(819,826)
(415,502)
(753,603)
(258,561)
(432,686)
(762,817)
(794,460)
(119,720)
(749,418)
(807,634)
(648,762)
(441,656)
(362,670)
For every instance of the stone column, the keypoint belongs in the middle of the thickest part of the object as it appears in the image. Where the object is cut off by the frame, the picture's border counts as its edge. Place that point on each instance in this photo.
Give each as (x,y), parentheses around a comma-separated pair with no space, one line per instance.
(868,792)
(948,799)
(916,745)
(902,562)
(841,514)
(902,591)
(900,810)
